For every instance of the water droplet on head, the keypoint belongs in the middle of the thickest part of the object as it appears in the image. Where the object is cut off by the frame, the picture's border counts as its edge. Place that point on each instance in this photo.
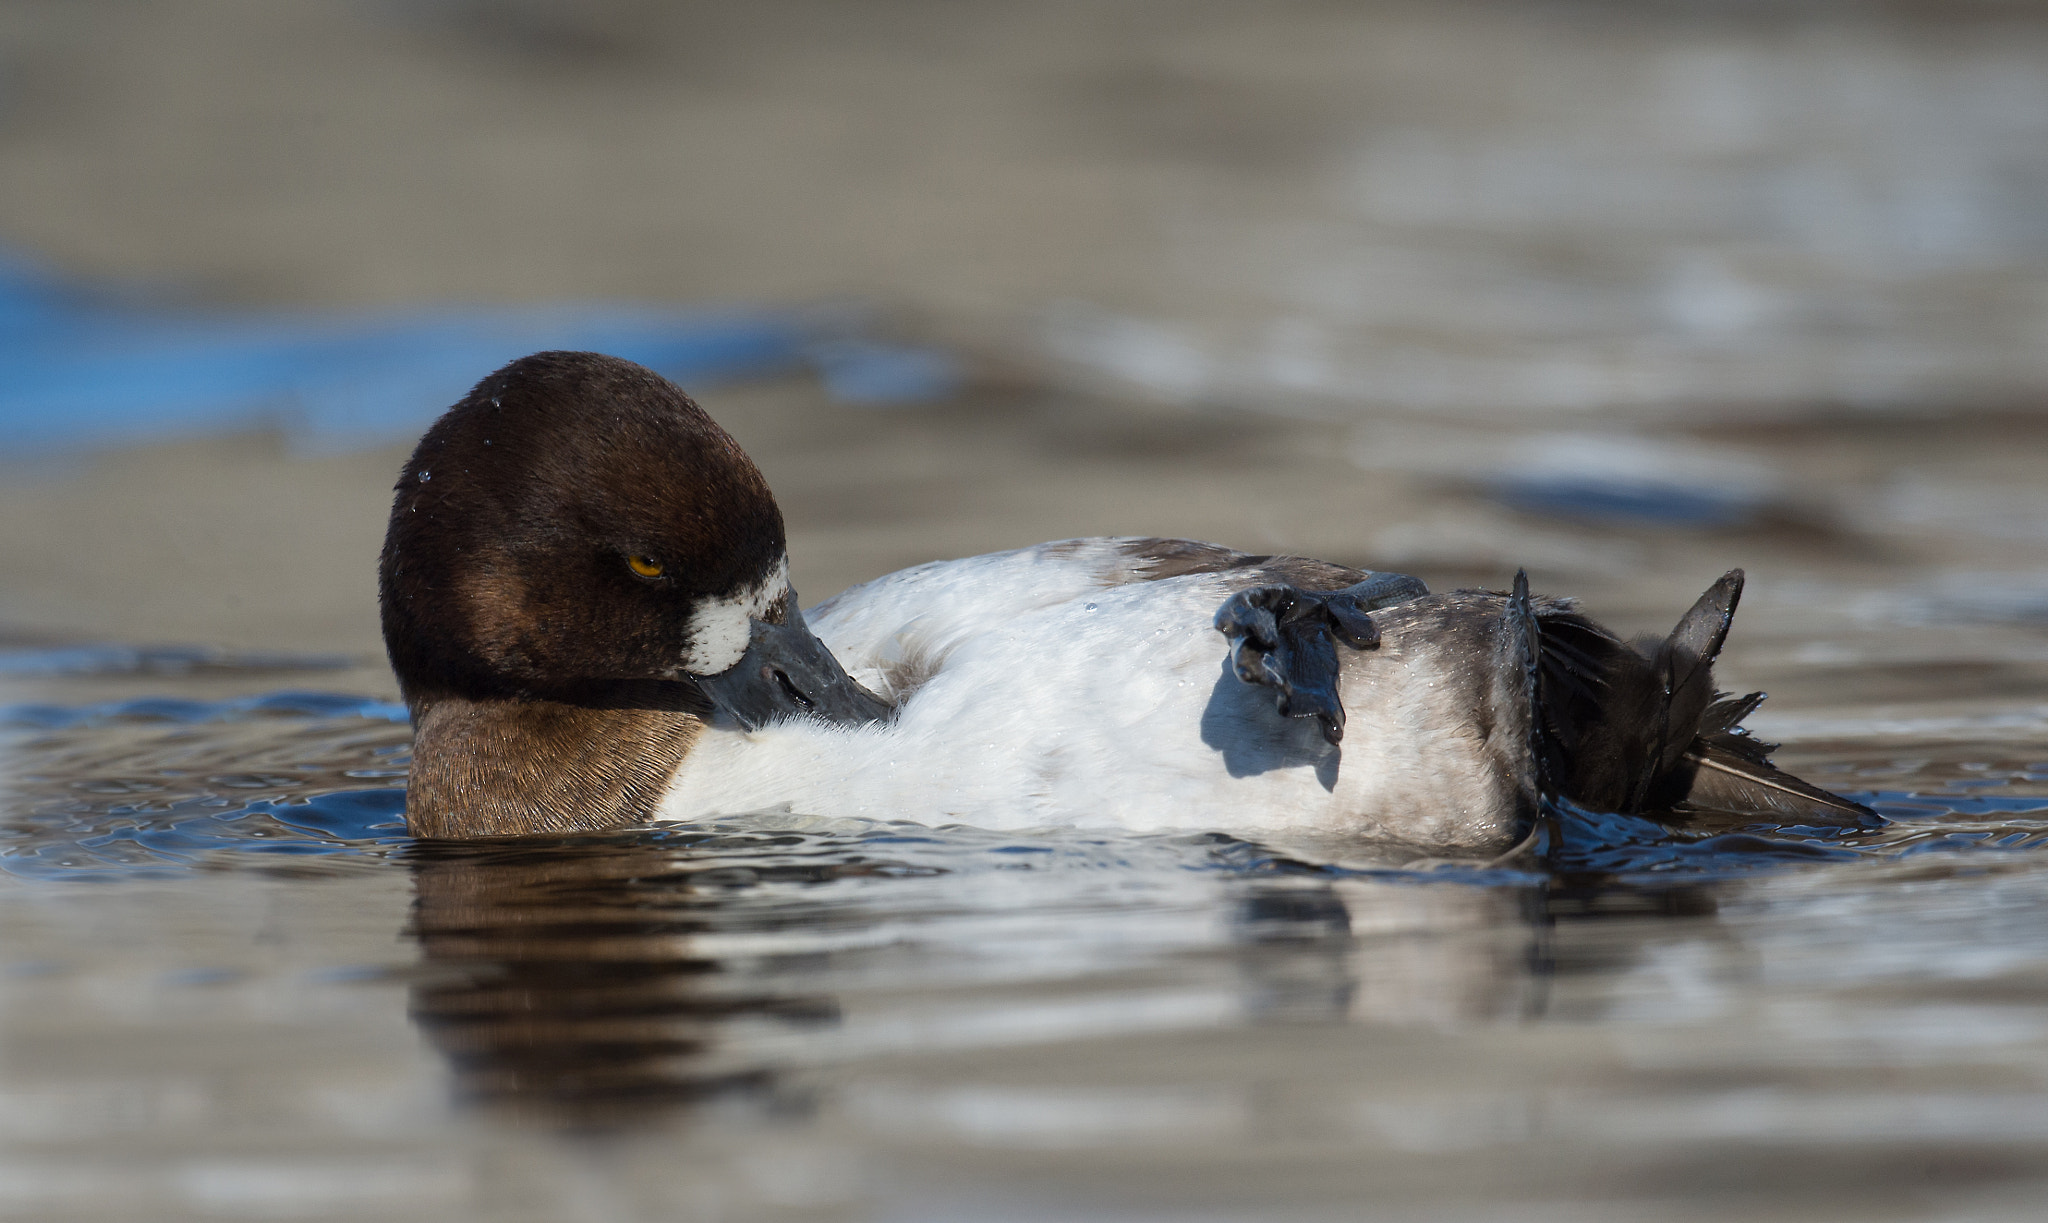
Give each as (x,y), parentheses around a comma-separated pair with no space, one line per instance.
(425,475)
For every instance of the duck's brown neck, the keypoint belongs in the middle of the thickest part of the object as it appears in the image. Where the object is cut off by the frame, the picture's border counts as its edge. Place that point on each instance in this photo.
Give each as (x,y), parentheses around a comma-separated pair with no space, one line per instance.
(509,766)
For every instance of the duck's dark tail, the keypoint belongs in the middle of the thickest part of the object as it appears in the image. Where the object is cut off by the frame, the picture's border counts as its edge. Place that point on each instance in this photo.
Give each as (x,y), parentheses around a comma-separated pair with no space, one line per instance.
(1732,771)
(1640,729)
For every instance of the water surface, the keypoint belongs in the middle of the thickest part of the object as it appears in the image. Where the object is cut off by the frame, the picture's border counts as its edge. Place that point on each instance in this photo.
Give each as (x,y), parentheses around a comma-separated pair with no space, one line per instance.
(232,987)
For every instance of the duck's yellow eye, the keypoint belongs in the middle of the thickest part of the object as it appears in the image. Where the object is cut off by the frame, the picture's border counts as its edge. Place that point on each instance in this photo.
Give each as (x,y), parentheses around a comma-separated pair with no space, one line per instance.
(645,566)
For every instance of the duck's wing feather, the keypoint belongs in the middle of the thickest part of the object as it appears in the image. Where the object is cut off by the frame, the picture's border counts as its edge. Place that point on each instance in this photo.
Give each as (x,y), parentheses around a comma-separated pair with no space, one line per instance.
(1151,559)
(1730,782)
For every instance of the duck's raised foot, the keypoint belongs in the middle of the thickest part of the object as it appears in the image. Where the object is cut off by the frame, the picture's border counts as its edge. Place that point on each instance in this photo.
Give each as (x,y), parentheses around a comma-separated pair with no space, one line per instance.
(1281,638)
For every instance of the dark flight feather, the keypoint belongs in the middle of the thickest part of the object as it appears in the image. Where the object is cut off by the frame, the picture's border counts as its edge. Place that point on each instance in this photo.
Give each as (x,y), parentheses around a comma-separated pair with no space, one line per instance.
(1728,781)
(1642,730)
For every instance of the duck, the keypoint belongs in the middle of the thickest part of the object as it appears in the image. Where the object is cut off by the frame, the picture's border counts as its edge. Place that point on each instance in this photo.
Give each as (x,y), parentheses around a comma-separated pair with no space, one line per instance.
(585,598)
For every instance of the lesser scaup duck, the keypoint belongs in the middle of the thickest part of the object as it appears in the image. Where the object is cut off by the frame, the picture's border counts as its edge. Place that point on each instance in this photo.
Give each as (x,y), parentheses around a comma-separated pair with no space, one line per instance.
(586,600)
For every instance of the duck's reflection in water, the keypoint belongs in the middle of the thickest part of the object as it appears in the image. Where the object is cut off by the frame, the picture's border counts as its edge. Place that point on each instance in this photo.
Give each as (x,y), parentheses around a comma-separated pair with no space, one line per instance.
(1405,950)
(570,979)
(607,982)
(1379,951)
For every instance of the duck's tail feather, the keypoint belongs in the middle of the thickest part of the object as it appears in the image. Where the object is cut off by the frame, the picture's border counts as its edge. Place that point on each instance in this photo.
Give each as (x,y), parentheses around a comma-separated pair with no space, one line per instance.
(1725,716)
(1682,664)
(1634,730)
(1731,771)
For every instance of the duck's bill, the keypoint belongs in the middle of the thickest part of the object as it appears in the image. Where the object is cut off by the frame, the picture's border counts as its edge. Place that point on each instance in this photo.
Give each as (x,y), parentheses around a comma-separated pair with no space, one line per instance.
(788,673)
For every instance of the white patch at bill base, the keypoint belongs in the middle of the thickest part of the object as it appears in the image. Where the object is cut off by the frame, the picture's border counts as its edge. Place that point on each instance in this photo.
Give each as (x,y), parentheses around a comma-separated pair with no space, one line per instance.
(721,625)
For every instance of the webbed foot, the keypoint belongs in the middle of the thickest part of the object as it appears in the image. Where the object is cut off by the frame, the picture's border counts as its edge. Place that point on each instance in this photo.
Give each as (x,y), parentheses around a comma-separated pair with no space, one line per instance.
(1280,637)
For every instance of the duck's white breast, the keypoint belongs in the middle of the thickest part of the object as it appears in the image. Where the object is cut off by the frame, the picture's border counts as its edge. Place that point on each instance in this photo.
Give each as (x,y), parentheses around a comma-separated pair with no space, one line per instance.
(1045,686)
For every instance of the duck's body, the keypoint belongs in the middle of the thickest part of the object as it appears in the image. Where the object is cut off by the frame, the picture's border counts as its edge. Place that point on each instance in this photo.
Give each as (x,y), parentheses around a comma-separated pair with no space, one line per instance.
(1084,683)
(585,596)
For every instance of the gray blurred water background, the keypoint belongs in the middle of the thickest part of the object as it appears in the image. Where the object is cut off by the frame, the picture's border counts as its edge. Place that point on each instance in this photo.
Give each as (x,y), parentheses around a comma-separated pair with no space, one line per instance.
(1625,294)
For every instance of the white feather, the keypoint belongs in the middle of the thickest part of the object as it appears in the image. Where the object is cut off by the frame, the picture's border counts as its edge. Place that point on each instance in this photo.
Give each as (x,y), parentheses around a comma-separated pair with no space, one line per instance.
(720,625)
(1044,687)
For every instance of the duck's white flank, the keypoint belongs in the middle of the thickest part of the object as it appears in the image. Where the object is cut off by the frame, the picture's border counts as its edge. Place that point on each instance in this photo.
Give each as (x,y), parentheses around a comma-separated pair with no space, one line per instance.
(1048,686)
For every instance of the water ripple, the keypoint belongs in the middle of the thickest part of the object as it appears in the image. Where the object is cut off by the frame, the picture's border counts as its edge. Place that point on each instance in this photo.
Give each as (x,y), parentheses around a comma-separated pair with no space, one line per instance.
(164,784)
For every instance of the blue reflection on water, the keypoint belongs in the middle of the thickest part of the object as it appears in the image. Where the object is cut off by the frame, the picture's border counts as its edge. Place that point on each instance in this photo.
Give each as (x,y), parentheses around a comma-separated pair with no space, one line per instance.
(156,785)
(172,709)
(1642,502)
(82,370)
(187,834)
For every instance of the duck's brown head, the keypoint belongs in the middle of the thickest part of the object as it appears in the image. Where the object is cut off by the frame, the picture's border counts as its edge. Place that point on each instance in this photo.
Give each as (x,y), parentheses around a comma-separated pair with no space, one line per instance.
(579,564)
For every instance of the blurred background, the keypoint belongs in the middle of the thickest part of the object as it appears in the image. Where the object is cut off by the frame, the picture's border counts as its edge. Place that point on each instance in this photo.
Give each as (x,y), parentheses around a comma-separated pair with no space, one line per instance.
(1623,293)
